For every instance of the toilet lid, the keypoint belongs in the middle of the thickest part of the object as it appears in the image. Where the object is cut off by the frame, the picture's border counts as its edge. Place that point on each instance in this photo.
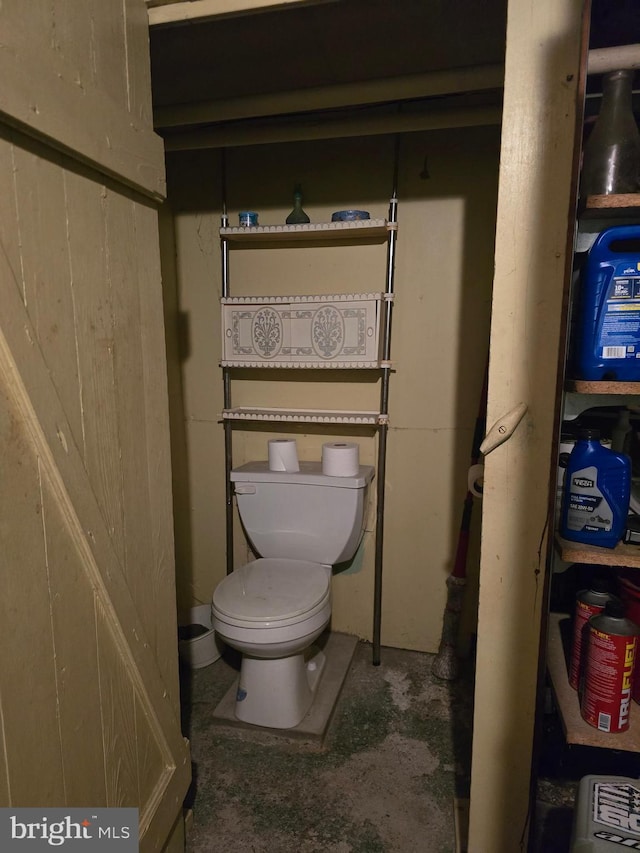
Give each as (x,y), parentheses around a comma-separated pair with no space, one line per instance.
(272,589)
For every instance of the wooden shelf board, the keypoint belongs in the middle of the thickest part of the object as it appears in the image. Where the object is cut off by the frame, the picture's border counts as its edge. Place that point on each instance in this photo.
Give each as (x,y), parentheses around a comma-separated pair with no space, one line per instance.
(363,229)
(575,729)
(621,555)
(625,206)
(584,386)
(613,200)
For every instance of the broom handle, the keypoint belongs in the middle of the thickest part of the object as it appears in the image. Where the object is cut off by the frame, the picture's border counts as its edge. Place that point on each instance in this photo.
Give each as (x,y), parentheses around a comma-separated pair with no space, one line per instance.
(445,663)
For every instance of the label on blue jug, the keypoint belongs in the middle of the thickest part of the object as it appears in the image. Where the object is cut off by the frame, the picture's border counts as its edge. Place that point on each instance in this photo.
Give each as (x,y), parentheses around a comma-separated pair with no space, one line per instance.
(619,334)
(587,509)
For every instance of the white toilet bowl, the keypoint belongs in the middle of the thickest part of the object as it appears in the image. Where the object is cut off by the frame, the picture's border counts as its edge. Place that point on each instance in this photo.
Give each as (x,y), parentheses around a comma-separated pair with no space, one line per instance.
(272,610)
(301,523)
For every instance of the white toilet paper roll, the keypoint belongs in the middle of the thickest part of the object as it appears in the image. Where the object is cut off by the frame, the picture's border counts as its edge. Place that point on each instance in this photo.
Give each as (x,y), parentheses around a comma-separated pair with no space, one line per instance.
(283,455)
(340,459)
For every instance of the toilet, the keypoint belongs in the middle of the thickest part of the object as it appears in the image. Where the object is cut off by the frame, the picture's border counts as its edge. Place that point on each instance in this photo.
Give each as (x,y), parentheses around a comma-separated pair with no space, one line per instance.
(273,608)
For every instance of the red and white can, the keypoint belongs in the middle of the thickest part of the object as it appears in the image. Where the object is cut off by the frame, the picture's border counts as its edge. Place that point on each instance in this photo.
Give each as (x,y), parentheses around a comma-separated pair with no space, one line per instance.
(610,657)
(630,595)
(589,602)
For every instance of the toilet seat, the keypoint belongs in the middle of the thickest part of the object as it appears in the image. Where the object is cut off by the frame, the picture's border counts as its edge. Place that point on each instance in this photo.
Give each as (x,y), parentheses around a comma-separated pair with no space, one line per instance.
(272,592)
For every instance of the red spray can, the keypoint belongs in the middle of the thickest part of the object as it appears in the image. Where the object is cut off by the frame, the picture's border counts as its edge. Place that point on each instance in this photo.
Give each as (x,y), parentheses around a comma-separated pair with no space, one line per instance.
(630,595)
(610,656)
(589,602)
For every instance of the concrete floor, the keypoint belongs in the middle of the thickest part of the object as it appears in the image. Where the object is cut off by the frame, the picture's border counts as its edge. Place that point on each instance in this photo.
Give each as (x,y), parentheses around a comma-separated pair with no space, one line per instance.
(384,779)
(388,773)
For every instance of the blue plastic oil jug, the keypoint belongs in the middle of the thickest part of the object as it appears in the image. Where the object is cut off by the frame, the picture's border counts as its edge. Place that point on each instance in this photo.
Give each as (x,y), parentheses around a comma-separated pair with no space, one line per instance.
(597,485)
(607,328)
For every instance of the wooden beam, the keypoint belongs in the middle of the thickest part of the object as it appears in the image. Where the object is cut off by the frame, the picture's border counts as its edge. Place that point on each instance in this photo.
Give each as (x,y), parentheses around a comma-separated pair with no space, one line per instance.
(543,94)
(194,11)
(410,86)
(259,133)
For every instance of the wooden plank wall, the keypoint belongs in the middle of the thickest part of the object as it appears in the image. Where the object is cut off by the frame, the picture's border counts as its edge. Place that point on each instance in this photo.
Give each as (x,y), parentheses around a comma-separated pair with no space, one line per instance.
(86,318)
(79,78)
(89,708)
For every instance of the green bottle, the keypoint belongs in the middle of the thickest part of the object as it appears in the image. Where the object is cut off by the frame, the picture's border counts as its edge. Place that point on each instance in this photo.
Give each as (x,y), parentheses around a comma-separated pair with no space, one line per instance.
(297,215)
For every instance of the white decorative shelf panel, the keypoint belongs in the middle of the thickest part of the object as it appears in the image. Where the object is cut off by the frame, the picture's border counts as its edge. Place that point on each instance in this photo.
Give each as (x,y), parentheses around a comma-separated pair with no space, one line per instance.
(313,416)
(336,331)
(360,229)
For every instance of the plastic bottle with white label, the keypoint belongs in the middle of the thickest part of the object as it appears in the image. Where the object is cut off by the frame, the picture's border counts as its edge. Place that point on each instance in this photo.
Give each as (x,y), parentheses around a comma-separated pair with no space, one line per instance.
(606,337)
(597,485)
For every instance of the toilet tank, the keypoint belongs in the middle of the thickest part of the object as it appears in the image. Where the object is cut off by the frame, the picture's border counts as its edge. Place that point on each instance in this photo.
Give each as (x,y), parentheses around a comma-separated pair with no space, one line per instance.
(305,515)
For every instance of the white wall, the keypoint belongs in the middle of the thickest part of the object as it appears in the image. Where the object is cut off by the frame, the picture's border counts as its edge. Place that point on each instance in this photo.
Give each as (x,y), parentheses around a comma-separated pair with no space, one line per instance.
(444,271)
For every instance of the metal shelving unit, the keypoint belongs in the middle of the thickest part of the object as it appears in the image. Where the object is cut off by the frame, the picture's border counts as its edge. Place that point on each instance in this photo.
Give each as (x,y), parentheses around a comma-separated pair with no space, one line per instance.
(371,330)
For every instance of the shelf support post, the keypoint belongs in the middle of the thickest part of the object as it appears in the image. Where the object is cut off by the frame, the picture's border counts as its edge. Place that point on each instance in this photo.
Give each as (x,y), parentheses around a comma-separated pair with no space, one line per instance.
(226,379)
(384,410)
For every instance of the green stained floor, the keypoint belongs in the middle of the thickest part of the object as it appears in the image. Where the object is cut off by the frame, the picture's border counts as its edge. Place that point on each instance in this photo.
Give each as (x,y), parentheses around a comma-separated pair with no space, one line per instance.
(384,781)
